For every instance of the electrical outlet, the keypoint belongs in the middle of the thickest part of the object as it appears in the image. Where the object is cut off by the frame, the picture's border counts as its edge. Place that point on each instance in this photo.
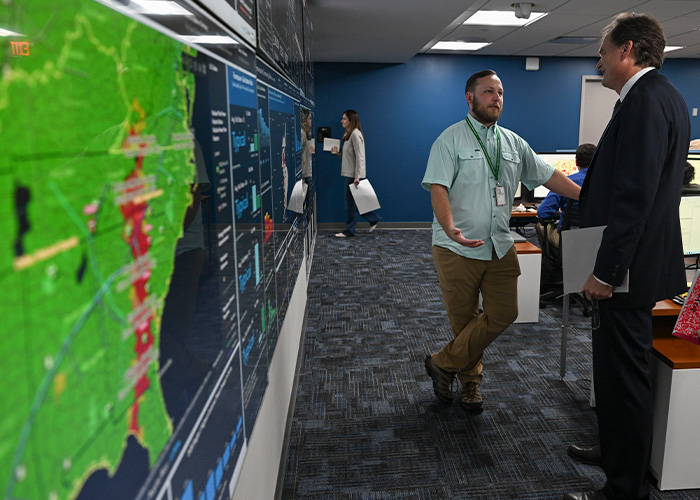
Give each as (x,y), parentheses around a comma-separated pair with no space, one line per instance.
(695,111)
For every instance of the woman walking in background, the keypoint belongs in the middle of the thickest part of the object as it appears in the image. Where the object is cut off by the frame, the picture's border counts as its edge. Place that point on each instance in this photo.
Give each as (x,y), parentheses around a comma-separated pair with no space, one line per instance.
(353,169)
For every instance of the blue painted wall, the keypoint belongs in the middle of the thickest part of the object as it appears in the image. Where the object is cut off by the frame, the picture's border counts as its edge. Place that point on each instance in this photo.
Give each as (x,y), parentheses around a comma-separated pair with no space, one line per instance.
(404,107)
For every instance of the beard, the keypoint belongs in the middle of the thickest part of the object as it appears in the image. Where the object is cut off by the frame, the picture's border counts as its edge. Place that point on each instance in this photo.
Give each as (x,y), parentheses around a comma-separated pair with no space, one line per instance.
(484,113)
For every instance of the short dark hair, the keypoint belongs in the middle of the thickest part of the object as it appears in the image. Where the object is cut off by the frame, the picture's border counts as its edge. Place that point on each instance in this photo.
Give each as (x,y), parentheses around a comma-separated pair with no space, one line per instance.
(688,174)
(646,34)
(584,154)
(471,82)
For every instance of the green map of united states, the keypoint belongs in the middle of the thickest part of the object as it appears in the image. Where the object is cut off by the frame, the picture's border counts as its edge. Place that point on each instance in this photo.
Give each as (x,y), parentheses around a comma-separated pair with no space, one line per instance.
(94,173)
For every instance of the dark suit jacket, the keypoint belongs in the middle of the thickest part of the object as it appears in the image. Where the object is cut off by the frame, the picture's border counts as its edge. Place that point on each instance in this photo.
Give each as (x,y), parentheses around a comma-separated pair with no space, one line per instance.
(634,187)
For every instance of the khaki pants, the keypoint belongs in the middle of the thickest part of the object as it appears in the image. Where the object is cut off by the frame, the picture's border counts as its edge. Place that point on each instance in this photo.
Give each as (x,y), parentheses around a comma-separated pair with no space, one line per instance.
(549,231)
(461,280)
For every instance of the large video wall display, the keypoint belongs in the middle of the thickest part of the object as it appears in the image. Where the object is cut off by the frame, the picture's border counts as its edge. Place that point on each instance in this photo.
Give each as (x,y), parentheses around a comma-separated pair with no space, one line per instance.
(283,243)
(148,200)
(308,61)
(281,37)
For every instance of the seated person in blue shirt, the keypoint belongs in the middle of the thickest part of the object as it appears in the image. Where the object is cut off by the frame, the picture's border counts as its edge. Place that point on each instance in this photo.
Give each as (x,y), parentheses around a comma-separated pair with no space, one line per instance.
(555,204)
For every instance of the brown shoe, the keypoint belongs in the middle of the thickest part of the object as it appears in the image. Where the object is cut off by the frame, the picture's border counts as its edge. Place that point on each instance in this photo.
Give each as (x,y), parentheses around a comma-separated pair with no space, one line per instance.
(442,380)
(471,398)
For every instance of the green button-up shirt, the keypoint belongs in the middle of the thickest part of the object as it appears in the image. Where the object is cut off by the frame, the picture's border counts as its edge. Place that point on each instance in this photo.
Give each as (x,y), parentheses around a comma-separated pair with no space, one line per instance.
(457,162)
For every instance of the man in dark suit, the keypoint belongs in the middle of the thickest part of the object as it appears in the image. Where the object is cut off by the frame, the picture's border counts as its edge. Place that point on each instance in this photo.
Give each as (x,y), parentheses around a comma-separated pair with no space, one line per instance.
(634,187)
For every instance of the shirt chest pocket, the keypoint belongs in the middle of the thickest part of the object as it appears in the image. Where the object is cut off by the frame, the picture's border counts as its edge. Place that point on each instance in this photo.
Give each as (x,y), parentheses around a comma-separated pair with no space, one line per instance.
(510,167)
(510,157)
(471,167)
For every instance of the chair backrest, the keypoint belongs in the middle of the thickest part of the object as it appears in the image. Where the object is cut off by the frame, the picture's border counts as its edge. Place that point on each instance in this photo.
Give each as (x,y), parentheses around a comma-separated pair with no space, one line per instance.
(543,228)
(570,218)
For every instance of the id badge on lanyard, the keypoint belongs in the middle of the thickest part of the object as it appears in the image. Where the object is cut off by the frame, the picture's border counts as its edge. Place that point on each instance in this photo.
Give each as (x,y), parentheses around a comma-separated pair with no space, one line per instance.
(500,196)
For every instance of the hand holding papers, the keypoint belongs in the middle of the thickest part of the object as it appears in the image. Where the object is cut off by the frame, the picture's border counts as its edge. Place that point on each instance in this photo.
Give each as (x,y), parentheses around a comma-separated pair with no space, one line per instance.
(365,197)
(328,143)
(579,248)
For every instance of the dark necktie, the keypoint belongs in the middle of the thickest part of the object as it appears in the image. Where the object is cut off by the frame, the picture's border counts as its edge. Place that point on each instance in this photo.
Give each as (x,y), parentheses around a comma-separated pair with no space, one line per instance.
(617,105)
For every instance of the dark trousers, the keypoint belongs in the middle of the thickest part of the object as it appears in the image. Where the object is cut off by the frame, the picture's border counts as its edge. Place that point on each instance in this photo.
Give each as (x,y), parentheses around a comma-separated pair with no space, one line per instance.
(621,349)
(351,208)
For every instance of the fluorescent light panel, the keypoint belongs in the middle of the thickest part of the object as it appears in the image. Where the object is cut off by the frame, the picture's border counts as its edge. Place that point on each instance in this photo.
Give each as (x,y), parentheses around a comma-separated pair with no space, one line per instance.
(671,48)
(459,45)
(502,18)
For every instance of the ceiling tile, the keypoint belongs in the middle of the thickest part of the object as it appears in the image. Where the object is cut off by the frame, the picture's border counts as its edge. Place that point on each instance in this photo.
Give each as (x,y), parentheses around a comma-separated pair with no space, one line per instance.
(395,30)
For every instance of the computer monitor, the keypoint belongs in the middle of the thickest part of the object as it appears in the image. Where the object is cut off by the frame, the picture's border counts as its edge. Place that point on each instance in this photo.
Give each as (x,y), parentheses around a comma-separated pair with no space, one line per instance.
(694,160)
(540,192)
(689,212)
(565,162)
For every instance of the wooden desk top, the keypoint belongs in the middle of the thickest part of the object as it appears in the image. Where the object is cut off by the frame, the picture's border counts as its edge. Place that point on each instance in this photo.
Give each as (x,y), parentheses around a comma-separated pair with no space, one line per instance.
(515,214)
(666,308)
(525,247)
(673,351)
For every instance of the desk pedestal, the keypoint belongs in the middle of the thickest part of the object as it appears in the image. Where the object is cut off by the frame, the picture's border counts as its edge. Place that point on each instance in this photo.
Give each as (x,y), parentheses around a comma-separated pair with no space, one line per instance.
(675,375)
(675,453)
(530,259)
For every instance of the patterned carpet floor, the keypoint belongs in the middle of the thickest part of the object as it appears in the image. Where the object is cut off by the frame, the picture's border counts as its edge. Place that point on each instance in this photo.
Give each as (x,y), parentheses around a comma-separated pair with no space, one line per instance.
(367,424)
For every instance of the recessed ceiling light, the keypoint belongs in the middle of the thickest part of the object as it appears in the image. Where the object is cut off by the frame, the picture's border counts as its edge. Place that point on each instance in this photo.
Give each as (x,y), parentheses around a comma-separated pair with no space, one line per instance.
(502,18)
(671,48)
(210,39)
(459,45)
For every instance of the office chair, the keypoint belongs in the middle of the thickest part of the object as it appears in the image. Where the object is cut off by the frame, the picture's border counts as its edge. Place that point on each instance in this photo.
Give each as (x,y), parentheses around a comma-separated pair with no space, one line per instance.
(551,285)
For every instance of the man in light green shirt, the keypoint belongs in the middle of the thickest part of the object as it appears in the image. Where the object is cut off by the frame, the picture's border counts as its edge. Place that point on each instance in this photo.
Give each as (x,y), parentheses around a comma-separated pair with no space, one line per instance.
(473,171)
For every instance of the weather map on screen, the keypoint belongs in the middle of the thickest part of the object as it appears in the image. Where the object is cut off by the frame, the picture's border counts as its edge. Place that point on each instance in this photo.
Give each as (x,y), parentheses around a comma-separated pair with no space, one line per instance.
(565,162)
(140,273)
(98,191)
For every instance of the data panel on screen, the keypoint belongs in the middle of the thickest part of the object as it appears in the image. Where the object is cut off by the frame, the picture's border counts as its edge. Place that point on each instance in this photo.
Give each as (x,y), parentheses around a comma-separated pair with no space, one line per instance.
(690,224)
(565,162)
(281,25)
(238,14)
(150,255)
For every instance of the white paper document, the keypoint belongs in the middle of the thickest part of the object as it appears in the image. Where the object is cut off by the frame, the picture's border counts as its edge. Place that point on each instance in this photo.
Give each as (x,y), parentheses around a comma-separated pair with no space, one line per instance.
(579,248)
(328,143)
(365,198)
(296,200)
